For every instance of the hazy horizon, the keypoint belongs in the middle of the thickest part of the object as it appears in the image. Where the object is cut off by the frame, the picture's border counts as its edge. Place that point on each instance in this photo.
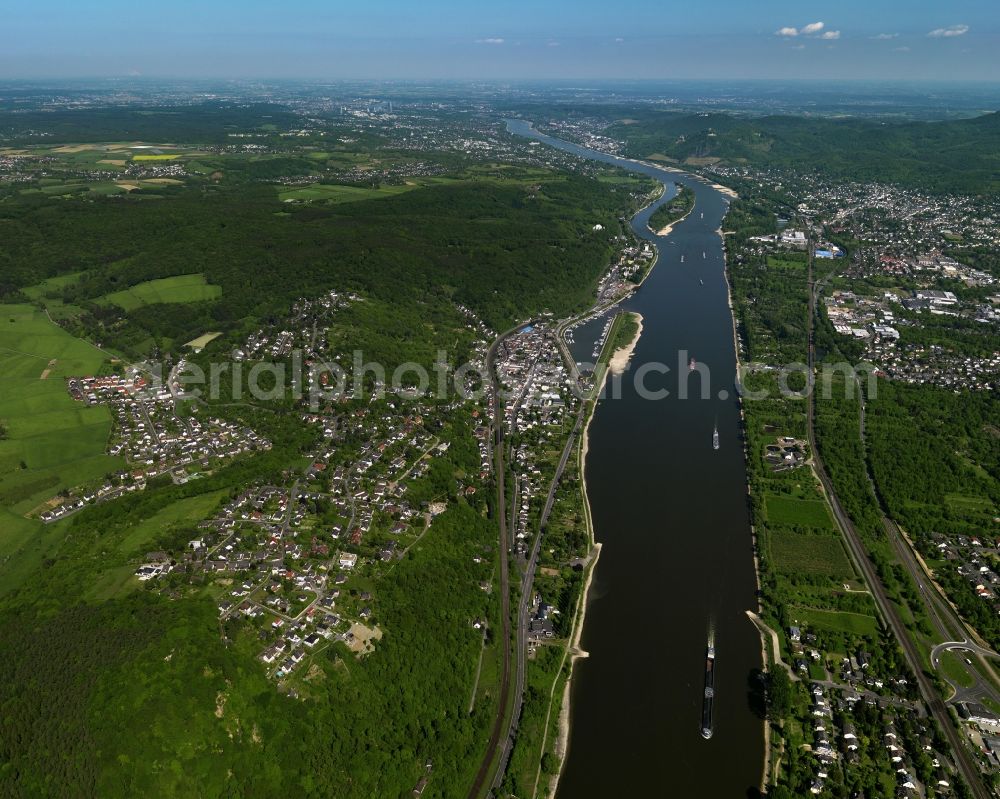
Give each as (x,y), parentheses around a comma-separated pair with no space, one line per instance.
(561,40)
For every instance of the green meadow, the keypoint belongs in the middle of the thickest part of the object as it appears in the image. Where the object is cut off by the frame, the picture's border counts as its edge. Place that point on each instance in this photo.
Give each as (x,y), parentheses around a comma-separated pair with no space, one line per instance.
(802,512)
(837,621)
(341,194)
(50,442)
(180,288)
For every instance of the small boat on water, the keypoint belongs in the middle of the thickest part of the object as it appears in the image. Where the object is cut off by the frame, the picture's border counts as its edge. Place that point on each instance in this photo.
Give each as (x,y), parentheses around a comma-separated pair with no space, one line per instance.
(691,364)
(715,437)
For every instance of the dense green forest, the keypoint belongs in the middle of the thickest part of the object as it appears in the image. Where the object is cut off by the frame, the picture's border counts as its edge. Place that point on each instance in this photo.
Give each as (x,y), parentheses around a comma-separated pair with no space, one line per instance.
(119,698)
(506,251)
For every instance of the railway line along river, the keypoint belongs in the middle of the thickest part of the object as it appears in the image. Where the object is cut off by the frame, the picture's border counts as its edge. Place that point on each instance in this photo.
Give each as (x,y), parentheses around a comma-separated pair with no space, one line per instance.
(671,514)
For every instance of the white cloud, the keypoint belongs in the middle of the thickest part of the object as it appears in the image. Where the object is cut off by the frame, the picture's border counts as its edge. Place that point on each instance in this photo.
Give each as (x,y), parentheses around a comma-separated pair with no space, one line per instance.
(619,40)
(949,32)
(492,40)
(806,30)
(831,35)
(884,37)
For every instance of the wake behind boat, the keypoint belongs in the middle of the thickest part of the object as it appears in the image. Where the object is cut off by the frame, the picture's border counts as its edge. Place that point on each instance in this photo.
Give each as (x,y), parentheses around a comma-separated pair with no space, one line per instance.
(715,437)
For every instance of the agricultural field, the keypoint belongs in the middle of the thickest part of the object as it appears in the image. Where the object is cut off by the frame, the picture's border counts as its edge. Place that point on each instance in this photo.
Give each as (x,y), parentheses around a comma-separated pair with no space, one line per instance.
(797,553)
(181,288)
(802,512)
(156,157)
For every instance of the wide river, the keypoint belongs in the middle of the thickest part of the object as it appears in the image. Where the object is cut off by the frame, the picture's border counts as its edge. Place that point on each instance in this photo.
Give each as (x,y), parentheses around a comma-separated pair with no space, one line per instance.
(677,559)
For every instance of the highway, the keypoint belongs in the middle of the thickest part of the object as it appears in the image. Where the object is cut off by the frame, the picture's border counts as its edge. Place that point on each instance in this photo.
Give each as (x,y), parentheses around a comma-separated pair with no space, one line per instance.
(963,760)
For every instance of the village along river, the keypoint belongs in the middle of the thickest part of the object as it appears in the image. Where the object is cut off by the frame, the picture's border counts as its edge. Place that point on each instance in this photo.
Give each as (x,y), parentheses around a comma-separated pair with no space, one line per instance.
(671,514)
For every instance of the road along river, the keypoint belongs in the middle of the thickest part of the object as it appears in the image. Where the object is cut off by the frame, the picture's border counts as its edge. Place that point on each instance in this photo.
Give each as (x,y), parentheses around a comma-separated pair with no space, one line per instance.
(671,514)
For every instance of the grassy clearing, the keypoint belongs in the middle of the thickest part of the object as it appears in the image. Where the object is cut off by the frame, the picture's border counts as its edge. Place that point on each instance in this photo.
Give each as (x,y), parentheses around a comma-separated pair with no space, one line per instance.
(795,553)
(964,502)
(202,341)
(184,511)
(784,263)
(181,288)
(954,669)
(52,285)
(838,621)
(346,194)
(342,194)
(802,512)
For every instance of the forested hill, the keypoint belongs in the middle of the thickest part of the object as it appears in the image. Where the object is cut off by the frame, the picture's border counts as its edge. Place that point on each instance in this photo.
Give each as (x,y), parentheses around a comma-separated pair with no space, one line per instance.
(953,155)
(506,251)
(203,123)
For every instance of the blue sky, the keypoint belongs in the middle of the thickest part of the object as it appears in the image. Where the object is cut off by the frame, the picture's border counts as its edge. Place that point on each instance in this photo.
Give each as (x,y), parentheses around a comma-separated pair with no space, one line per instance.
(333,39)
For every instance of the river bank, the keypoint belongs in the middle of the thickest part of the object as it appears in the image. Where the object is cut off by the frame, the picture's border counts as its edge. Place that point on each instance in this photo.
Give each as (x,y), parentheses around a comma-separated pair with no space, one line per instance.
(617,362)
(765,660)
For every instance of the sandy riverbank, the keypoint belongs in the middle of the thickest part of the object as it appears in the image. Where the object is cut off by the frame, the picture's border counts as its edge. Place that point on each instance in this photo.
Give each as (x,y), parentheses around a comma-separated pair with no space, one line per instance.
(620,357)
(573,649)
(723,189)
(668,229)
(575,653)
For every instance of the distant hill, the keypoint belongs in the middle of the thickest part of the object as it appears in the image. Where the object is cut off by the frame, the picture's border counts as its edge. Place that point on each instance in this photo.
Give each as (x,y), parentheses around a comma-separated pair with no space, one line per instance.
(199,123)
(954,155)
